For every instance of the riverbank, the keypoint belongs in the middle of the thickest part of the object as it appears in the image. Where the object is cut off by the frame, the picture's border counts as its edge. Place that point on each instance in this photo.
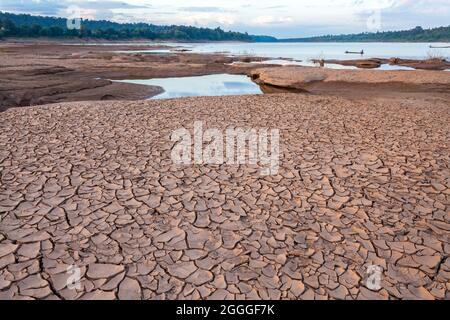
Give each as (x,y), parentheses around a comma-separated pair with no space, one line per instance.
(37,73)
(362,84)
(42,73)
(374,63)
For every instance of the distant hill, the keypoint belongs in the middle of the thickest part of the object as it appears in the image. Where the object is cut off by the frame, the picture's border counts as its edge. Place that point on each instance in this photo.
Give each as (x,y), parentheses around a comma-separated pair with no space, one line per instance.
(25,25)
(417,34)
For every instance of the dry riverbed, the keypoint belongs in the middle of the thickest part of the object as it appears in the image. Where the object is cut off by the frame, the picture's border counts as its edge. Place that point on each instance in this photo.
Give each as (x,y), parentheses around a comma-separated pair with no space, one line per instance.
(364,181)
(92,185)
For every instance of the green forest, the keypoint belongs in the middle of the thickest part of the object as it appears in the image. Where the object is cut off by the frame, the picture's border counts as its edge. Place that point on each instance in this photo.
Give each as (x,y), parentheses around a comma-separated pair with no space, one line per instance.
(28,26)
(417,34)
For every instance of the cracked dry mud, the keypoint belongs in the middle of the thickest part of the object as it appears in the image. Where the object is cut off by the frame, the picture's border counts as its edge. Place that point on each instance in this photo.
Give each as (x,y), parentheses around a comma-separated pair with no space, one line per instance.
(92,185)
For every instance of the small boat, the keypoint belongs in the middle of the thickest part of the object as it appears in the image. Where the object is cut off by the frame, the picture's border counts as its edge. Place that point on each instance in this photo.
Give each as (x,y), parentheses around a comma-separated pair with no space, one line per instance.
(355,52)
(437,47)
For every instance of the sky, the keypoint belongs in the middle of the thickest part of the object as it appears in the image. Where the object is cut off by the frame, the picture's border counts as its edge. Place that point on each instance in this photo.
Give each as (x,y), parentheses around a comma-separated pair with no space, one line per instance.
(281,18)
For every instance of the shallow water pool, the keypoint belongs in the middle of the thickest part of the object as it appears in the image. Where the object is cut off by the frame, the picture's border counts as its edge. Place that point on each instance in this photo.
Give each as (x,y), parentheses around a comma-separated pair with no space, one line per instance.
(210,85)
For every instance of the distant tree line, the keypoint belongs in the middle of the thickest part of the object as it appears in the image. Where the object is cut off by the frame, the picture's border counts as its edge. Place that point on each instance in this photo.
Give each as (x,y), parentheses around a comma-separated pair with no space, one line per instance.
(28,26)
(24,25)
(417,34)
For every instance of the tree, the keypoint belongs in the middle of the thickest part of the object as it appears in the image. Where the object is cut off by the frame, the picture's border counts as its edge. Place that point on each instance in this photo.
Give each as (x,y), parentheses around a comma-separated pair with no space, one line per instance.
(24,25)
(9,28)
(35,30)
(56,32)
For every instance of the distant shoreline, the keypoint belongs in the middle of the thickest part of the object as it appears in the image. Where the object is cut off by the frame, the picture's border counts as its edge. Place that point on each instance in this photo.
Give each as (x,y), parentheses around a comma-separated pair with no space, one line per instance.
(99,41)
(25,25)
(364,41)
(148,41)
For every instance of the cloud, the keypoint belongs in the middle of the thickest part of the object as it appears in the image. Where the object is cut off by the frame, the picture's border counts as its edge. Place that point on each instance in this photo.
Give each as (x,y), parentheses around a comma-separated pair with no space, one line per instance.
(269,20)
(44,7)
(284,18)
(276,7)
(108,5)
(54,7)
(203,9)
(206,19)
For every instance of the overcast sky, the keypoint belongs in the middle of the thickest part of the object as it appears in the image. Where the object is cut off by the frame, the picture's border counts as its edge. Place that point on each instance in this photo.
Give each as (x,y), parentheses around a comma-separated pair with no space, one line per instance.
(281,18)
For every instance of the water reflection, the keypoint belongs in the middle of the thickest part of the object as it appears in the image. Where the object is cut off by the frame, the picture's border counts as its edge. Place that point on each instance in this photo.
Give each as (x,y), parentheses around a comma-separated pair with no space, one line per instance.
(317,50)
(210,85)
(391,67)
(152,51)
(309,63)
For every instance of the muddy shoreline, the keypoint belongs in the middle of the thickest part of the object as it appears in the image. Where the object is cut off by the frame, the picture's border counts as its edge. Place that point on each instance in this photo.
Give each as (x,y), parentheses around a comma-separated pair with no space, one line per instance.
(374,63)
(358,84)
(43,73)
(38,73)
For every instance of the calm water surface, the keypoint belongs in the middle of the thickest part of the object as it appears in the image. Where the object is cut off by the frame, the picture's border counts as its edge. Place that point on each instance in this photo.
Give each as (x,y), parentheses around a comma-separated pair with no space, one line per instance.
(278,53)
(210,85)
(308,51)
(303,53)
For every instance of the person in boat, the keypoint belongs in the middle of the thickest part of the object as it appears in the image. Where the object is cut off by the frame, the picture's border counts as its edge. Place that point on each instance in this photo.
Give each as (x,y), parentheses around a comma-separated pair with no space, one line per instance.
(354,52)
